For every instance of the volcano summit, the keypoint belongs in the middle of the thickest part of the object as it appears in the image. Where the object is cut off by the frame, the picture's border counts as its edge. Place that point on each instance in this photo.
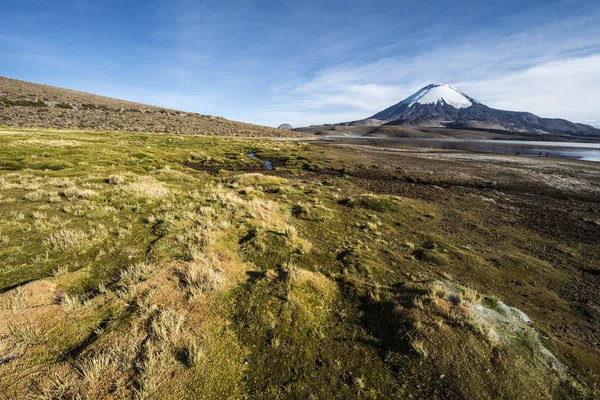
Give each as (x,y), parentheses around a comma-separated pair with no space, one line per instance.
(443,106)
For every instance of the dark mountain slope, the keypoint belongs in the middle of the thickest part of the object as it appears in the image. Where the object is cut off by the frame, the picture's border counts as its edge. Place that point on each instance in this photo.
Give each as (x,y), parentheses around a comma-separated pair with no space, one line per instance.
(444,106)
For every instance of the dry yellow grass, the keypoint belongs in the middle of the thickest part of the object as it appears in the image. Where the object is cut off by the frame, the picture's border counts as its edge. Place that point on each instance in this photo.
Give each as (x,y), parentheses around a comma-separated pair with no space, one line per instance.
(62,108)
(75,193)
(115,179)
(67,239)
(200,276)
(146,187)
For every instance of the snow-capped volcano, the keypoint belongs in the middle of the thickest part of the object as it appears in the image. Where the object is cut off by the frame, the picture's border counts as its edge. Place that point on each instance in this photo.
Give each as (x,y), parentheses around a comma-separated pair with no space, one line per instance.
(440,93)
(443,106)
(438,101)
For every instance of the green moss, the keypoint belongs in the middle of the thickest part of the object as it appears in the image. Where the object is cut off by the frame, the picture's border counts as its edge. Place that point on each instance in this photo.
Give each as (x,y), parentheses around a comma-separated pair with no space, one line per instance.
(258,179)
(372,202)
(311,212)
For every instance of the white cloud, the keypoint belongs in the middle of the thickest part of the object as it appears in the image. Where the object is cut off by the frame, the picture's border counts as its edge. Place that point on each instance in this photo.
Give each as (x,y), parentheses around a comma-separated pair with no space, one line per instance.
(551,70)
(561,89)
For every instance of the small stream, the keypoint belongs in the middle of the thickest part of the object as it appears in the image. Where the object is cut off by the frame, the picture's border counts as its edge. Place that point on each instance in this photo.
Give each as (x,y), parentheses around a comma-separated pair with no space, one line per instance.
(268,164)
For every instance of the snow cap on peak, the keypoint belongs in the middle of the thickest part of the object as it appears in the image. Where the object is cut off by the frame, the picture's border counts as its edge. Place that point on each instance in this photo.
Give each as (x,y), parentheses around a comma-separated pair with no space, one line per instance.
(440,93)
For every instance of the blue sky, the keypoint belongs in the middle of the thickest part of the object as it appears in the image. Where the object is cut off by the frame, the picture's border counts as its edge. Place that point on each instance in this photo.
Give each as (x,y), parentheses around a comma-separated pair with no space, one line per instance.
(310,62)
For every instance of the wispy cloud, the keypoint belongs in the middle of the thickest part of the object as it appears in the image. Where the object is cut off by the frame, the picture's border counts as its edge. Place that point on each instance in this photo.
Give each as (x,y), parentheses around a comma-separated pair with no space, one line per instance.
(310,63)
(547,69)
(567,88)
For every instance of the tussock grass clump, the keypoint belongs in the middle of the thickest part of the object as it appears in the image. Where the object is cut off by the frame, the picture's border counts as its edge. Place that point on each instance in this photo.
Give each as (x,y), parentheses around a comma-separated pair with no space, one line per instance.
(60,271)
(11,349)
(16,215)
(76,193)
(18,300)
(58,389)
(290,232)
(166,326)
(229,199)
(468,295)
(115,179)
(419,347)
(66,239)
(26,334)
(263,210)
(70,303)
(197,239)
(61,182)
(54,198)
(309,212)
(372,202)
(438,291)
(36,195)
(38,215)
(256,179)
(201,276)
(206,211)
(146,187)
(136,273)
(294,243)
(93,368)
(194,354)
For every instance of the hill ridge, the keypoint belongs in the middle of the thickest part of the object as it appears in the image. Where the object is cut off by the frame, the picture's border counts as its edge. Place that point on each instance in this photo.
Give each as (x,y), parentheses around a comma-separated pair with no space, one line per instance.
(34,105)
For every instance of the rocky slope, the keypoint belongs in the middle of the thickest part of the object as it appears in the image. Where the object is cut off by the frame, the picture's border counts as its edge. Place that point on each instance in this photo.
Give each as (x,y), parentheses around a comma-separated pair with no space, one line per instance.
(26,104)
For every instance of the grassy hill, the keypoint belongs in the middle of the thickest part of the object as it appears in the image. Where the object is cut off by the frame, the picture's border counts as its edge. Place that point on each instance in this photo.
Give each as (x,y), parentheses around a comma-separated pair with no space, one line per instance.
(25,104)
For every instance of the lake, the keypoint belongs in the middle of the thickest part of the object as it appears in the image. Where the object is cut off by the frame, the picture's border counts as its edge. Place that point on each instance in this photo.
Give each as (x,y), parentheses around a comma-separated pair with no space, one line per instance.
(571,150)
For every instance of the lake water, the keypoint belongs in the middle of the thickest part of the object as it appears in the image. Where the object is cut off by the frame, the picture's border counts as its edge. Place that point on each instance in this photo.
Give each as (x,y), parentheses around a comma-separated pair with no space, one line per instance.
(578,151)
(268,164)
